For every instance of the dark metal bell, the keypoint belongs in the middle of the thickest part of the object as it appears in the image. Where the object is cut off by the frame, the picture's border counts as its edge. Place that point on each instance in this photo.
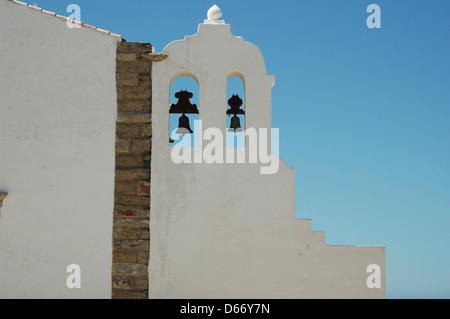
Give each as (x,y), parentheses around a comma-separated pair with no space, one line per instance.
(235,125)
(183,125)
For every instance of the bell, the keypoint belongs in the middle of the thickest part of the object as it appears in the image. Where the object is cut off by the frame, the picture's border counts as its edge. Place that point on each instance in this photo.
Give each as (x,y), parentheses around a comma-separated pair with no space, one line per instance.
(183,125)
(235,125)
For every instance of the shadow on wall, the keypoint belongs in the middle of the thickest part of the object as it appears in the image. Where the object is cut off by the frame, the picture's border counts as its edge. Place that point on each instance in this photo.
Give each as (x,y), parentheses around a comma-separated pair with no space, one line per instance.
(2,197)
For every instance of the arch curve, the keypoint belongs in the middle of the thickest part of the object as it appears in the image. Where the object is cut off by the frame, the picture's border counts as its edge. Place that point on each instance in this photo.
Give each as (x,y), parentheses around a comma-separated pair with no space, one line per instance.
(181,73)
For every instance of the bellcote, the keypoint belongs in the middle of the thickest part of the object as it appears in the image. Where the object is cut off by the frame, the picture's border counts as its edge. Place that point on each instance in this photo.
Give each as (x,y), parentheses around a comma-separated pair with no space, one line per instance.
(211,57)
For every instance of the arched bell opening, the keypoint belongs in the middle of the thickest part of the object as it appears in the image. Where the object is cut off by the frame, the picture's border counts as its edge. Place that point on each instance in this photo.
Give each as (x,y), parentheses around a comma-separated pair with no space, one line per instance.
(183,110)
(235,112)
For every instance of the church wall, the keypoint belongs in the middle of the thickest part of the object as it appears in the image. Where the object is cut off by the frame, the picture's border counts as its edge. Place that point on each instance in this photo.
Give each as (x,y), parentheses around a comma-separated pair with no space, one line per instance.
(58,111)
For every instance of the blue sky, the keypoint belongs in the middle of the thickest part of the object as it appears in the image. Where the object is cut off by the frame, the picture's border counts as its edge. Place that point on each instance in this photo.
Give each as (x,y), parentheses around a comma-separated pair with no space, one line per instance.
(364,114)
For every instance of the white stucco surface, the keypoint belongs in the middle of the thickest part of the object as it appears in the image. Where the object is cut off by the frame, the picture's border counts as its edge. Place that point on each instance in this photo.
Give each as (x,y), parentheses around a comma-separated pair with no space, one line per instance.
(225,230)
(57,131)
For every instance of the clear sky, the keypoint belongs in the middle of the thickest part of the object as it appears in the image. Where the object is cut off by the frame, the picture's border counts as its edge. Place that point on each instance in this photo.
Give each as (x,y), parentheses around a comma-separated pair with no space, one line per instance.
(364,114)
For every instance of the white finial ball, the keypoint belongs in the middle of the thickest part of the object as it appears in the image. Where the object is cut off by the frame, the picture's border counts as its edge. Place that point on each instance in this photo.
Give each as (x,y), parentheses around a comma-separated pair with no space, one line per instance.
(214,13)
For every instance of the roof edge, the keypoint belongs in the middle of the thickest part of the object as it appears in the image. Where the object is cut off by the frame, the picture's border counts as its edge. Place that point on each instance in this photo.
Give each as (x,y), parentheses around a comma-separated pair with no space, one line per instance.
(67,18)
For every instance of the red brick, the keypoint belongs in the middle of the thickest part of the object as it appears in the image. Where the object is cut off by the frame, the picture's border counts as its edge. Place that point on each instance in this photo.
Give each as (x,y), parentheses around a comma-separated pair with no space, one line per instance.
(122,284)
(143,188)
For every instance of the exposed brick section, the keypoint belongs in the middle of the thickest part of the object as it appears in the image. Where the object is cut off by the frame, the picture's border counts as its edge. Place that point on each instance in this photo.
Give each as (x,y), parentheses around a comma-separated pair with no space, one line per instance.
(131,233)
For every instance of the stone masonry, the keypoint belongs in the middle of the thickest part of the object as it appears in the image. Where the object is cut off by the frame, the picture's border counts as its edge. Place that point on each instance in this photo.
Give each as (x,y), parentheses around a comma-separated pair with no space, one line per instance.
(131,235)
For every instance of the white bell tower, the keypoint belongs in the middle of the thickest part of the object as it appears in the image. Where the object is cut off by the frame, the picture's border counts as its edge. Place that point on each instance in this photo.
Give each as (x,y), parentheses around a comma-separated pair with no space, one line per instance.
(221,230)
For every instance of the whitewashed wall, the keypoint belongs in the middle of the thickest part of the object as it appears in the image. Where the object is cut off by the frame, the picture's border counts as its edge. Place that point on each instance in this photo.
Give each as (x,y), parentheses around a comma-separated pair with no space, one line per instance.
(57,131)
(225,230)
